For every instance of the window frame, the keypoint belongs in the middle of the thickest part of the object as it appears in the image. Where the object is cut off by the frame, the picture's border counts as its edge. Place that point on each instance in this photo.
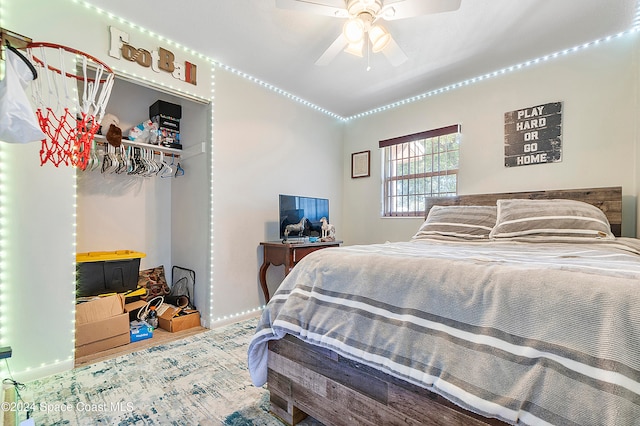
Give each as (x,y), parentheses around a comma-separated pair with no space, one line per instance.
(389,210)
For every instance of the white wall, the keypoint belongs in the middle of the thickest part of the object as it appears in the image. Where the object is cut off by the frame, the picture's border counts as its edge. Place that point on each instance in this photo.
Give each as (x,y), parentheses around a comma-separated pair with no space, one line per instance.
(191,206)
(598,89)
(264,145)
(37,265)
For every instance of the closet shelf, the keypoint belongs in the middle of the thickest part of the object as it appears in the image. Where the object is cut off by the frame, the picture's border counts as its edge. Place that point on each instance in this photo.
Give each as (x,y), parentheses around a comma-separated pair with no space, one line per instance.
(183,154)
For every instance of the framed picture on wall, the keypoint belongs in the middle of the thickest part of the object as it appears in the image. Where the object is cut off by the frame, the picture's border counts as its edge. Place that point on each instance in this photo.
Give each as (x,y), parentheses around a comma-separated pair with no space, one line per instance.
(361,164)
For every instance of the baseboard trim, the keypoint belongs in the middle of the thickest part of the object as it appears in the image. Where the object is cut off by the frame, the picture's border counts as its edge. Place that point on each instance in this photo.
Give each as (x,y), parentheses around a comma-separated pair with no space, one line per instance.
(42,372)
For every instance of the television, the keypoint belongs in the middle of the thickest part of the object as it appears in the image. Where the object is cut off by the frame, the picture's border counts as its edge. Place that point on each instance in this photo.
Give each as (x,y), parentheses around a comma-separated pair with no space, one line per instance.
(293,208)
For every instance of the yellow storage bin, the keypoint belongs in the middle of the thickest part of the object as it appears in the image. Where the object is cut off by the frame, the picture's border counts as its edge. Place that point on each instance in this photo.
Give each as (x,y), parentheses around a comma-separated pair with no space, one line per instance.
(97,256)
(102,272)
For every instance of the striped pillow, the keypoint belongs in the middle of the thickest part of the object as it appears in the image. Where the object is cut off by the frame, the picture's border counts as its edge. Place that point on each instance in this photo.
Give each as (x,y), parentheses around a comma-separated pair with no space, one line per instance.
(469,222)
(550,218)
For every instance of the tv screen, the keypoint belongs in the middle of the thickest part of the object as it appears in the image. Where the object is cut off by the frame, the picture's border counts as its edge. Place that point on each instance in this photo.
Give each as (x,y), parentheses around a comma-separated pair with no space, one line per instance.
(293,208)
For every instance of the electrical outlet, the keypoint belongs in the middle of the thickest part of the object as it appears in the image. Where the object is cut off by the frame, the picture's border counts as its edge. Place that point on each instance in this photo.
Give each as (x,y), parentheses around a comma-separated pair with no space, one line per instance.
(5,352)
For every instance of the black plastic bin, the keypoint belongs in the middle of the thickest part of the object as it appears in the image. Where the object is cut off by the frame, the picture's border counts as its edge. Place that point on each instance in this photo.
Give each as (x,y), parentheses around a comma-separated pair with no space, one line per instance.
(107,272)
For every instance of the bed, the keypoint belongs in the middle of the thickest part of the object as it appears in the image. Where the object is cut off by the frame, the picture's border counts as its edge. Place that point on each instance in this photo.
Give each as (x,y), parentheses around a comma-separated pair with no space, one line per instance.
(493,313)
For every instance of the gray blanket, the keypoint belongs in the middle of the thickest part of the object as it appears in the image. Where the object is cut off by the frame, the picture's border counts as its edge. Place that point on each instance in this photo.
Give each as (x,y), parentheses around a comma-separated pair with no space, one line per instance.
(530,333)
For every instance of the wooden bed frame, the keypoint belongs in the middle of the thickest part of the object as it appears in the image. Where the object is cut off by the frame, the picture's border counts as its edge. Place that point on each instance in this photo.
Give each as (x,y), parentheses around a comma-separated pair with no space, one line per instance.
(307,380)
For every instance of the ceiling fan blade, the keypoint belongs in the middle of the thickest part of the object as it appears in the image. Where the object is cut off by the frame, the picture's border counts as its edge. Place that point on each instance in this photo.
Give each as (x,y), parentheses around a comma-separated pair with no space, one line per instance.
(335,8)
(394,53)
(333,50)
(400,9)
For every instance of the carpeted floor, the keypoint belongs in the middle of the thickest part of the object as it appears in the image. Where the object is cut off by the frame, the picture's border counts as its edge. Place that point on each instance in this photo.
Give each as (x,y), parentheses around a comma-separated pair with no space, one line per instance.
(199,380)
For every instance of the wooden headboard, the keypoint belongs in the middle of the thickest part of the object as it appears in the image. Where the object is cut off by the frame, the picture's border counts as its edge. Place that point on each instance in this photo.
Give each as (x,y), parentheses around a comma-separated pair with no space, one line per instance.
(608,199)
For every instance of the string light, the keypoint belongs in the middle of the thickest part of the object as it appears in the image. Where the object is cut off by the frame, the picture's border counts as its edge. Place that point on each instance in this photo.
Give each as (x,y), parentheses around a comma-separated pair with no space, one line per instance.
(238,315)
(494,74)
(211,204)
(4,231)
(278,90)
(74,214)
(140,79)
(634,28)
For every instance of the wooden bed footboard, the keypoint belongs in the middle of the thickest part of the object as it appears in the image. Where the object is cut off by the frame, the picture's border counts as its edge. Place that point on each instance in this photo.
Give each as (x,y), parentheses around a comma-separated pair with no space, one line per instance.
(308,380)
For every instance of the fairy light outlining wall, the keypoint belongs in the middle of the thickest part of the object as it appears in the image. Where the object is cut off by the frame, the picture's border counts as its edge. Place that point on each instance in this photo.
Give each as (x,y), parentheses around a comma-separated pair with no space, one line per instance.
(75,246)
(4,247)
(279,91)
(500,72)
(74,214)
(211,193)
(4,228)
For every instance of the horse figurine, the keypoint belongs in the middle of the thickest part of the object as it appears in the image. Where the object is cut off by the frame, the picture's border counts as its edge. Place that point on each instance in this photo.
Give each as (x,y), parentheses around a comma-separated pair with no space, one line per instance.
(328,230)
(295,227)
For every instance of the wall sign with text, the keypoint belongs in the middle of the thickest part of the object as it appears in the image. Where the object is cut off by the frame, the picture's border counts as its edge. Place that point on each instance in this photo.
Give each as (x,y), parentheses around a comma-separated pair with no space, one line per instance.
(157,60)
(533,135)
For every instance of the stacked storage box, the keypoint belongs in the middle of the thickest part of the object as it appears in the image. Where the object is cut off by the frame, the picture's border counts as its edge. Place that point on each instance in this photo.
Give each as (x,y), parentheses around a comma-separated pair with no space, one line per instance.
(167,117)
(101,324)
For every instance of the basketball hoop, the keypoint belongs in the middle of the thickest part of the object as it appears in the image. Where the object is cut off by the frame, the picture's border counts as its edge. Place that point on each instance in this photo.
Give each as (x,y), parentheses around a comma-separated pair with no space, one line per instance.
(70,96)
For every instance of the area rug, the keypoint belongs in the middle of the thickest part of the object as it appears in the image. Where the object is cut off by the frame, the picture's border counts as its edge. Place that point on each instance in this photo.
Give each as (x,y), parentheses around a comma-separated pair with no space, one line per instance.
(200,380)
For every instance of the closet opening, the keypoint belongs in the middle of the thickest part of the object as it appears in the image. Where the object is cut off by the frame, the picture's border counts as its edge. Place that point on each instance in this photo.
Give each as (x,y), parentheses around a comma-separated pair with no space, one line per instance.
(152,200)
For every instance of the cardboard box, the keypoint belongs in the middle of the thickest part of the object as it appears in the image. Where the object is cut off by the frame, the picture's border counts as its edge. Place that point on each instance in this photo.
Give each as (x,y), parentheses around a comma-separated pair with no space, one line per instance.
(99,309)
(133,307)
(186,319)
(101,324)
(101,335)
(168,311)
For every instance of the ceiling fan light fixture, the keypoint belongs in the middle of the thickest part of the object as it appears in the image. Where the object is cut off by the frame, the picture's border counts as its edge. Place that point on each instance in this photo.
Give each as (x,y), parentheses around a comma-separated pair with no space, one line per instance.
(355,48)
(379,37)
(388,13)
(353,30)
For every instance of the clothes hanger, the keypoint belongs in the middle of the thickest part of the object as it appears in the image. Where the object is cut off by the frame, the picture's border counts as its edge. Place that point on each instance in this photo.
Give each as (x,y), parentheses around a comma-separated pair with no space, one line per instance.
(169,170)
(179,170)
(121,155)
(165,169)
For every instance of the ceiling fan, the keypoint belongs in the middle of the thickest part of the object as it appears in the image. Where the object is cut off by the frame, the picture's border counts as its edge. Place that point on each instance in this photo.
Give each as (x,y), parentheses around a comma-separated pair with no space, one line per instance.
(362,28)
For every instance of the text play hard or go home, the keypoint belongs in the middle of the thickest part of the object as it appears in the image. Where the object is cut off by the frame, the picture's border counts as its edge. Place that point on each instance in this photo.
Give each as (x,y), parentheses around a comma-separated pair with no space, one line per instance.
(533,135)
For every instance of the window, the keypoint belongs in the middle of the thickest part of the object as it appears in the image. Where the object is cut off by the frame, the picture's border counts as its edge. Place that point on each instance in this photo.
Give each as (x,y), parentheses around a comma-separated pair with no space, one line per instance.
(416,166)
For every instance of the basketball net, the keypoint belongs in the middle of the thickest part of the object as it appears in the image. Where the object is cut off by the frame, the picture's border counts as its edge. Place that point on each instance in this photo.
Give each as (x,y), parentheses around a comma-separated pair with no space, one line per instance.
(70,95)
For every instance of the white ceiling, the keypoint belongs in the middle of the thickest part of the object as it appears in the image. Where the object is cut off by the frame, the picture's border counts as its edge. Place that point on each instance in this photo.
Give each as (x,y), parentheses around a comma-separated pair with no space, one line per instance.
(280,47)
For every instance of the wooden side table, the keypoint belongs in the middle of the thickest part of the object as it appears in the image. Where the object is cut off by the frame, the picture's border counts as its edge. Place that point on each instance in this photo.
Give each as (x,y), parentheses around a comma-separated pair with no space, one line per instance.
(288,254)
